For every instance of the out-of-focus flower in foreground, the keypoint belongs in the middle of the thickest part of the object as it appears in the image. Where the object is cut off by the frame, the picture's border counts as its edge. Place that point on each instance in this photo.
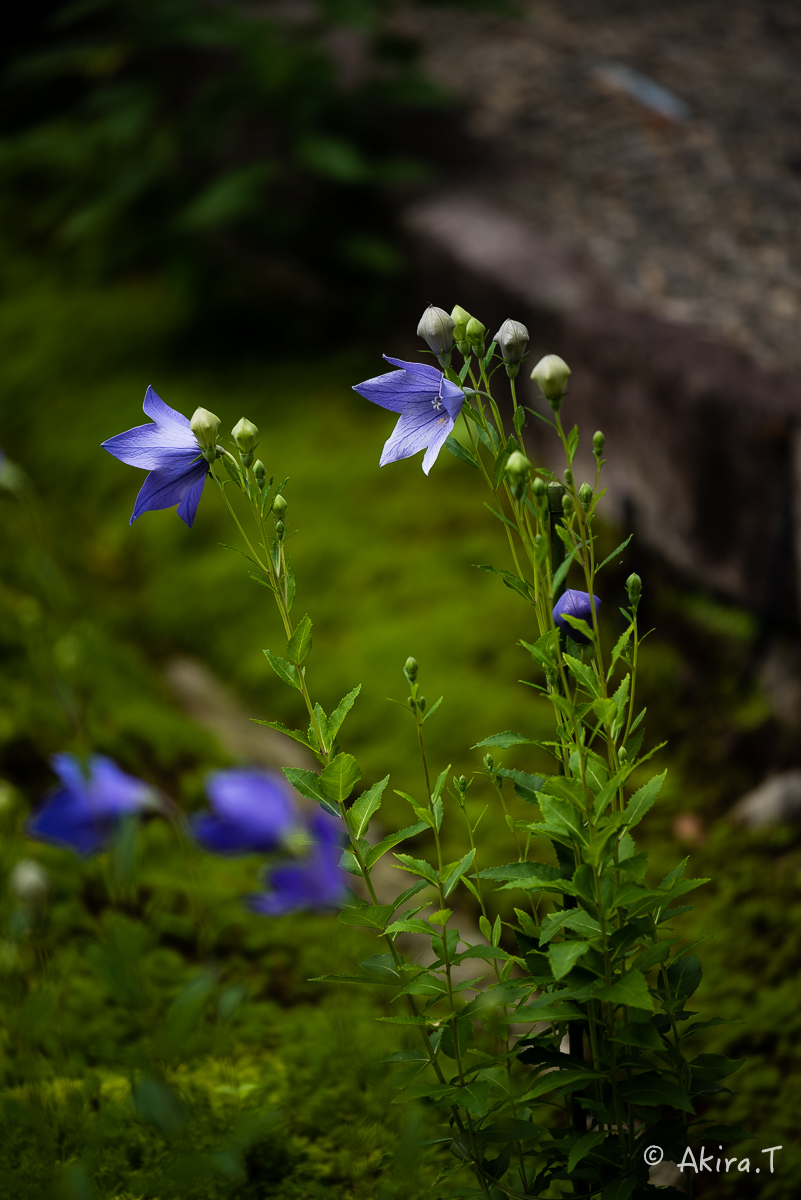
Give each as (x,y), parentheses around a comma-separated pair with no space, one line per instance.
(314,882)
(89,805)
(252,813)
(575,604)
(428,404)
(169,450)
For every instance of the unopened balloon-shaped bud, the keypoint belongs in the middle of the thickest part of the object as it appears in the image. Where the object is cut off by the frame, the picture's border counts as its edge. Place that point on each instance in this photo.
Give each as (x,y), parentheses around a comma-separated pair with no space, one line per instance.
(634,589)
(585,496)
(279,507)
(539,489)
(279,530)
(568,477)
(518,469)
(623,754)
(260,473)
(245,434)
(410,670)
(598,443)
(551,375)
(460,318)
(206,427)
(567,504)
(476,332)
(421,703)
(512,339)
(436,330)
(29,883)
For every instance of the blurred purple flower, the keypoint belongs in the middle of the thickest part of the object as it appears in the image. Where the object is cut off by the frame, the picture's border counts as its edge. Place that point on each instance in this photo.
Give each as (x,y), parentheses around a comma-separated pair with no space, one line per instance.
(428,403)
(171,453)
(253,811)
(575,604)
(313,882)
(85,810)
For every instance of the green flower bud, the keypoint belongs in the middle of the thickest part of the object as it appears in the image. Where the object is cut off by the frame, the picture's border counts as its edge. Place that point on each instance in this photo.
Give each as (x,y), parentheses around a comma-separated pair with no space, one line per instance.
(279,530)
(489,763)
(518,469)
(245,434)
(512,339)
(585,496)
(539,489)
(279,507)
(598,443)
(568,477)
(460,317)
(567,504)
(410,669)
(476,332)
(551,375)
(634,589)
(623,754)
(260,473)
(421,704)
(436,329)
(205,426)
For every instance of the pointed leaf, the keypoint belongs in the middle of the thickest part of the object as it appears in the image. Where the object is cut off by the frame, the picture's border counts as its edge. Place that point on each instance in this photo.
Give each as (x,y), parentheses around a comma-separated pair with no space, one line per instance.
(368,803)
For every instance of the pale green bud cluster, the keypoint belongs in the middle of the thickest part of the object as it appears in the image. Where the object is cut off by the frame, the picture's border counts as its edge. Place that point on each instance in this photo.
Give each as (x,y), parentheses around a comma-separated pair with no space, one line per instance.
(460,318)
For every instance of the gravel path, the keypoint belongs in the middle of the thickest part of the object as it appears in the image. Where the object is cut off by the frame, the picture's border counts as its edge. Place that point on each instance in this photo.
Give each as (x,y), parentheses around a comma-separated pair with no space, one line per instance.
(694,215)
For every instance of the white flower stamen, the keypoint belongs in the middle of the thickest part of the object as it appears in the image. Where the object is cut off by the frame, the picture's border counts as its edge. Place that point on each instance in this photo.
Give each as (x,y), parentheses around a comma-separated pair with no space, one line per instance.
(436,404)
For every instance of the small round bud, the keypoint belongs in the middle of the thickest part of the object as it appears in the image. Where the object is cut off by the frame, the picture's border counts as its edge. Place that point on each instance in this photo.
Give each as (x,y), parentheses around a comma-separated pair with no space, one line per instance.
(279,507)
(422,703)
(634,589)
(476,332)
(279,529)
(623,754)
(461,783)
(410,670)
(460,316)
(567,504)
(206,427)
(489,763)
(585,496)
(518,469)
(436,329)
(29,883)
(512,339)
(260,473)
(245,434)
(568,477)
(539,489)
(598,443)
(551,375)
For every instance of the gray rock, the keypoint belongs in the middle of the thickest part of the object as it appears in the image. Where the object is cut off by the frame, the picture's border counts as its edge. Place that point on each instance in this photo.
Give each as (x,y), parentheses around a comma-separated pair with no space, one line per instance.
(777,801)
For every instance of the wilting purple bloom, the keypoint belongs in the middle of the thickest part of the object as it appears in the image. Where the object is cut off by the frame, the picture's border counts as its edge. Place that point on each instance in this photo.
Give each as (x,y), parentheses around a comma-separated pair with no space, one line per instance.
(85,810)
(253,811)
(428,403)
(575,604)
(171,453)
(315,881)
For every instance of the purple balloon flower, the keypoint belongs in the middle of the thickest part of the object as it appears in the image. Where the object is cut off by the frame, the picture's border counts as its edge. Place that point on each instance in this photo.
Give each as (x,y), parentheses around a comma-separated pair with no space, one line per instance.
(171,453)
(86,809)
(428,403)
(316,881)
(253,811)
(575,604)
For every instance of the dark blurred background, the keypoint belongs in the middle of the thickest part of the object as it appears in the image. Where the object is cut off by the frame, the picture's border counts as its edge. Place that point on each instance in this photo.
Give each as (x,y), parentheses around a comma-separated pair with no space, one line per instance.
(245,205)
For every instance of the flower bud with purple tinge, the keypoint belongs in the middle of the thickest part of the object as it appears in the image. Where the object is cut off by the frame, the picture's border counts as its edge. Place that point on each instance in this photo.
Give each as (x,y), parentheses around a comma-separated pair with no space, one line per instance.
(512,339)
(410,669)
(551,375)
(206,427)
(585,496)
(598,443)
(518,469)
(436,330)
(634,589)
(574,604)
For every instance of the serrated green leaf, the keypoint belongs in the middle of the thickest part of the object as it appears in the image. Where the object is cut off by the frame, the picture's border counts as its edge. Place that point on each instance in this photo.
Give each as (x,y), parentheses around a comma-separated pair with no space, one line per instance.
(583,1146)
(631,990)
(308,784)
(371,916)
(284,670)
(300,643)
(460,868)
(642,800)
(417,866)
(297,735)
(504,740)
(571,918)
(341,711)
(584,674)
(512,581)
(459,451)
(393,839)
(338,779)
(368,803)
(563,956)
